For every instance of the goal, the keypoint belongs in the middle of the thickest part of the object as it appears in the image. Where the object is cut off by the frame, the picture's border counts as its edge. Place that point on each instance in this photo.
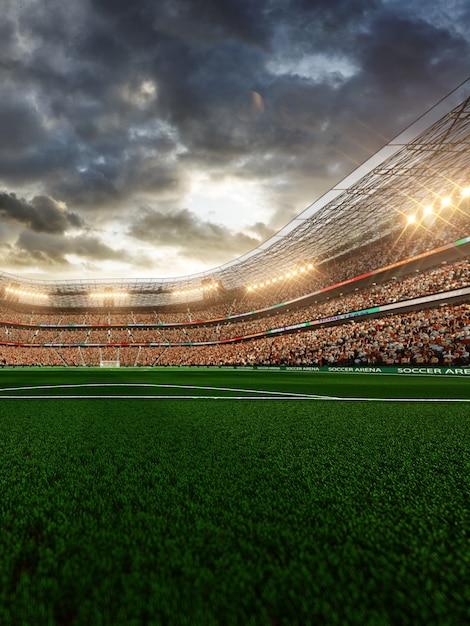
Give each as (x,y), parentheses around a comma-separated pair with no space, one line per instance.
(105,362)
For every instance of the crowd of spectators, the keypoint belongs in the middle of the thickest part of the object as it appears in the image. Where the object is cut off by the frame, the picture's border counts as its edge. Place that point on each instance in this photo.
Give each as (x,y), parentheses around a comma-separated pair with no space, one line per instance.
(445,277)
(438,336)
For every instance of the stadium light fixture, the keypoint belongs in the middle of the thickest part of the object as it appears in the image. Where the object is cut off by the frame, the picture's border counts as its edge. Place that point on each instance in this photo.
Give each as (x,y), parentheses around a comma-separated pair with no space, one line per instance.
(27,294)
(269,281)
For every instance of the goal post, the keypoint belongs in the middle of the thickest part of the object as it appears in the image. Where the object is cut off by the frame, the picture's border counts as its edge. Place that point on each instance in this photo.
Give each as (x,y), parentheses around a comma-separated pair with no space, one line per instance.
(109,362)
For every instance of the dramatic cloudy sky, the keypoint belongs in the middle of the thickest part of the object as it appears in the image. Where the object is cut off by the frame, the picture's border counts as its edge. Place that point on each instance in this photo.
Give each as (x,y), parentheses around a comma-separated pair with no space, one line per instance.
(164,137)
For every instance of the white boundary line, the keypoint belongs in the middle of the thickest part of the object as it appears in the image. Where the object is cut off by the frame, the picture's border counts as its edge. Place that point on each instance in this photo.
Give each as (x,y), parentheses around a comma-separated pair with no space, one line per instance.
(160,386)
(163,397)
(277,398)
(257,394)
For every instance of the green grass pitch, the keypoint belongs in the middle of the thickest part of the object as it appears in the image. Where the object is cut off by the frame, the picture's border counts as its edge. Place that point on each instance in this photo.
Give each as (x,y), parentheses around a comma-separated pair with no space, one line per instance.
(216,497)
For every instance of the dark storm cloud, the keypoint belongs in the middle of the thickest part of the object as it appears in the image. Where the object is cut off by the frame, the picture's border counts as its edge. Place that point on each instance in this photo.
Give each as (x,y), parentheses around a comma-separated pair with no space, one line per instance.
(42,214)
(51,250)
(20,125)
(431,55)
(196,238)
(109,104)
(202,22)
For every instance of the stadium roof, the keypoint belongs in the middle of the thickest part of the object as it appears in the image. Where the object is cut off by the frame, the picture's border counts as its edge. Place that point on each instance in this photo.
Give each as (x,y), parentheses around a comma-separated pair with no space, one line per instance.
(427,162)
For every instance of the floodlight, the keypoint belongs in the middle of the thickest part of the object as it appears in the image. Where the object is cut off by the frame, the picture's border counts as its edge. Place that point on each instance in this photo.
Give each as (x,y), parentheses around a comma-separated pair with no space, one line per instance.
(26,293)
